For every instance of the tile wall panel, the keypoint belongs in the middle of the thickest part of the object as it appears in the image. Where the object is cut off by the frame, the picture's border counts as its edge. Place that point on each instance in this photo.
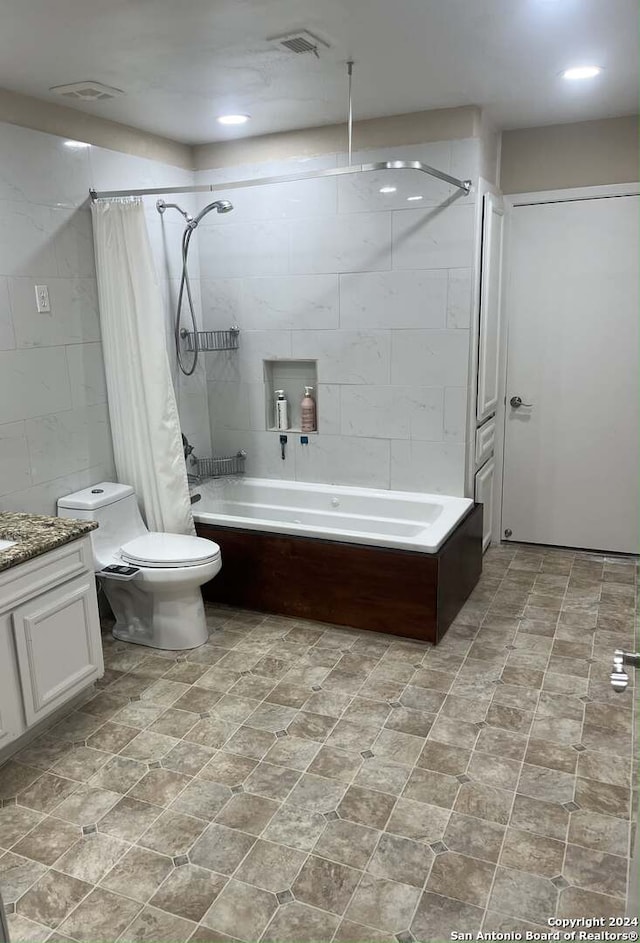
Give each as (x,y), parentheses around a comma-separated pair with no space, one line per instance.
(54,426)
(376,287)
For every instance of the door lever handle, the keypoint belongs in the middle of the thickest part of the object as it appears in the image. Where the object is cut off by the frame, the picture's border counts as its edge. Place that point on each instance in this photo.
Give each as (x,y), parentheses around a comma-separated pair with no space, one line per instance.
(516,402)
(619,677)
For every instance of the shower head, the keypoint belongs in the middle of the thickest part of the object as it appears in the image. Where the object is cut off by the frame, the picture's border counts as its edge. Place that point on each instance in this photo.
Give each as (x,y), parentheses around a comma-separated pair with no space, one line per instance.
(220,206)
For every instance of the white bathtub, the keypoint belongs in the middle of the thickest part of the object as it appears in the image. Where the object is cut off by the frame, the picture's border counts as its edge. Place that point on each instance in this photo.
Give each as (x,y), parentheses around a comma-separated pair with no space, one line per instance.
(398,519)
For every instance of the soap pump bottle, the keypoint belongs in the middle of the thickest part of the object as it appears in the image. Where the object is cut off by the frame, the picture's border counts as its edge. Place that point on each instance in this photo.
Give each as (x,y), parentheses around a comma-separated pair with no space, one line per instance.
(308,421)
(282,410)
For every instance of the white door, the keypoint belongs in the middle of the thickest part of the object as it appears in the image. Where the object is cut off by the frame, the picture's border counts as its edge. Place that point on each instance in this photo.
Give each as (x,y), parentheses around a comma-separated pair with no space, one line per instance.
(633,901)
(489,331)
(571,448)
(483,493)
(57,639)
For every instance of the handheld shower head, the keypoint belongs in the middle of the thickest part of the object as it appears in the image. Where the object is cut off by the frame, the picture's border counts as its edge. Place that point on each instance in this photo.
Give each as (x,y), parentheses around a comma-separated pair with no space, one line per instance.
(220,206)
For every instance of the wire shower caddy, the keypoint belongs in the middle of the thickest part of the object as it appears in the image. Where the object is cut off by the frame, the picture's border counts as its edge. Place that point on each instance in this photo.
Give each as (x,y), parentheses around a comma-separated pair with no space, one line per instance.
(224,467)
(211,340)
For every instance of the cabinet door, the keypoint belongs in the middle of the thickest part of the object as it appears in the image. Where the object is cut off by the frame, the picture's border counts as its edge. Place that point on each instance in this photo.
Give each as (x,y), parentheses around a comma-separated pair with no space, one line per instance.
(484,495)
(58,646)
(11,713)
(490,293)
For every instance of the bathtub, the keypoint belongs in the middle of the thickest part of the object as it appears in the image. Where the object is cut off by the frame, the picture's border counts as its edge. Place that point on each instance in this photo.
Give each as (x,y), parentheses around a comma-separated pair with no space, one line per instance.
(397,519)
(393,562)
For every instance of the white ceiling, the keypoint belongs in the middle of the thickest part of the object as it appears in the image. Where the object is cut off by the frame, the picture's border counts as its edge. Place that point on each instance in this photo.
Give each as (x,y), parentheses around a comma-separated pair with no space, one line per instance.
(182,62)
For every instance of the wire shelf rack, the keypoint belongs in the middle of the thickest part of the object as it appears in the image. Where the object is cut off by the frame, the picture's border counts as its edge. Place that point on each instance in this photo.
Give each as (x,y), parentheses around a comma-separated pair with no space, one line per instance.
(211,340)
(220,467)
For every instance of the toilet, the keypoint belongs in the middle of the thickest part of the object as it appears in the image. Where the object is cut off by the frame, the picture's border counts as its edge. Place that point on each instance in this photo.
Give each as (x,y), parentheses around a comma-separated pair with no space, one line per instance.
(160,603)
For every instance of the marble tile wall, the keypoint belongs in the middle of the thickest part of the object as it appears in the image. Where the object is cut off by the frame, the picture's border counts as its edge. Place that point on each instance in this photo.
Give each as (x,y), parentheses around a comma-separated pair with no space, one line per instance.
(54,425)
(374,286)
(329,269)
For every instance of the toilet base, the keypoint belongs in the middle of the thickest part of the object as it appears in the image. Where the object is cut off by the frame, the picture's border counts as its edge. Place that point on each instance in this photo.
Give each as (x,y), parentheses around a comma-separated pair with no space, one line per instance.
(173,621)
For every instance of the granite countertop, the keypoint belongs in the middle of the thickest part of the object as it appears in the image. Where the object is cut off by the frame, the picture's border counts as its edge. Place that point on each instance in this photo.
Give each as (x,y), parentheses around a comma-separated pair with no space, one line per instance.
(35,534)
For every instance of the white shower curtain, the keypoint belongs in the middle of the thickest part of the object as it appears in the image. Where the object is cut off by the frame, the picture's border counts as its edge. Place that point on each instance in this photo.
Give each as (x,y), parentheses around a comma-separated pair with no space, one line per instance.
(142,405)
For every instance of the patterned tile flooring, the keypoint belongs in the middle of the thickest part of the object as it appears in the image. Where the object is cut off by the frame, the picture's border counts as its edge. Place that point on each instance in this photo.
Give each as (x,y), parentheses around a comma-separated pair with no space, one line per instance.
(292,781)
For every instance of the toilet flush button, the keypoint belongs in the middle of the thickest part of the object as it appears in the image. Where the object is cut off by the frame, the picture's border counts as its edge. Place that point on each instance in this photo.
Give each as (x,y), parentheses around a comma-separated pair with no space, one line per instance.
(97,491)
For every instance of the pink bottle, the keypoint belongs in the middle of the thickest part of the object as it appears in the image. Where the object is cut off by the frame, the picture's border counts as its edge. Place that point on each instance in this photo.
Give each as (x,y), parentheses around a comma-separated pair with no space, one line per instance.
(308,411)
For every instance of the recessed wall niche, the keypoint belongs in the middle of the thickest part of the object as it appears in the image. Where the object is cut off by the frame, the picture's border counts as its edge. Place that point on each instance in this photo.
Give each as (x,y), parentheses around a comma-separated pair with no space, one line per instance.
(291,376)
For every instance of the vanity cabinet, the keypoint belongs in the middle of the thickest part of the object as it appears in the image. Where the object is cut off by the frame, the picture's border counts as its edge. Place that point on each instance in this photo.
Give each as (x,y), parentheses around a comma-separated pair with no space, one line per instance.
(50,647)
(12,722)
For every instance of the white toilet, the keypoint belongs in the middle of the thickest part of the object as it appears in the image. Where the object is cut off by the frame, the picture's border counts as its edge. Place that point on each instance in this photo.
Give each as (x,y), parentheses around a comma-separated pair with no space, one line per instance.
(161,604)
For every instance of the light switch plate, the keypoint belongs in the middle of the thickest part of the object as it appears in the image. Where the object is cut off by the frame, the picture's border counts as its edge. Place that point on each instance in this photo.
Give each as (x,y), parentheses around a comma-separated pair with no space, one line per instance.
(42,299)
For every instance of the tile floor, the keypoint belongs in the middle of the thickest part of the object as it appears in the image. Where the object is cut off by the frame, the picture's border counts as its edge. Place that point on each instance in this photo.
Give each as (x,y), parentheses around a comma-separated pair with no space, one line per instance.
(291,781)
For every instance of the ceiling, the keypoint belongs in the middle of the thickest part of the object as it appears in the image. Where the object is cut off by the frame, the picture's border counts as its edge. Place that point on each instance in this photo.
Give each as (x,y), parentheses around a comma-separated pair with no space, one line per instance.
(183,62)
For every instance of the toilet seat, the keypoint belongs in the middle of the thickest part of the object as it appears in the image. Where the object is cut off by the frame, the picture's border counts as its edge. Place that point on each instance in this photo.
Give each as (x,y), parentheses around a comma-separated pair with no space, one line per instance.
(169,550)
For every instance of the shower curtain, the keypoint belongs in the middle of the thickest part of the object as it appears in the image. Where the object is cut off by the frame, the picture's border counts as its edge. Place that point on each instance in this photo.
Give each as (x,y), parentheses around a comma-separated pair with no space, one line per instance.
(142,405)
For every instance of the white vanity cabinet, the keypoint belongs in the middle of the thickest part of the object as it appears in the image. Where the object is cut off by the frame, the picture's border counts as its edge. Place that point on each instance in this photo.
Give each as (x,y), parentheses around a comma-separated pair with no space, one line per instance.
(12,722)
(50,647)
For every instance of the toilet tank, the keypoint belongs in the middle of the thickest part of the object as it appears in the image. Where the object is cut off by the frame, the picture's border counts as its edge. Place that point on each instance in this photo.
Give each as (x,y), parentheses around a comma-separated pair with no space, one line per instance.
(116,511)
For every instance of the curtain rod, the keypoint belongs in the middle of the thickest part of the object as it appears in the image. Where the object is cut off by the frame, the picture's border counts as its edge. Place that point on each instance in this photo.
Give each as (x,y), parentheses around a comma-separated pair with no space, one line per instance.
(464,185)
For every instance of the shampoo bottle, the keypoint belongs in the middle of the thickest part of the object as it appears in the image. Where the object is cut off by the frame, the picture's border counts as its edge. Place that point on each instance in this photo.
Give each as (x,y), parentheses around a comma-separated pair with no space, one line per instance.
(282,410)
(308,421)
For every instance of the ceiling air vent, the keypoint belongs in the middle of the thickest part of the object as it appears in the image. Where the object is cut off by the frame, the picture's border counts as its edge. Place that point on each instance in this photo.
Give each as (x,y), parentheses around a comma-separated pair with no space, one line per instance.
(301,41)
(87,91)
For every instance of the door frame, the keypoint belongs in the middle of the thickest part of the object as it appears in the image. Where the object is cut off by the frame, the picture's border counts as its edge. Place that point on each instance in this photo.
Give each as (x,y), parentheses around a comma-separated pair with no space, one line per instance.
(512,201)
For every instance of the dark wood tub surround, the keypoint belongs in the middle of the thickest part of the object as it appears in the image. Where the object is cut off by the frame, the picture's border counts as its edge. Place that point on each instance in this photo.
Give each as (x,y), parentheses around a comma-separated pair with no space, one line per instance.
(400,592)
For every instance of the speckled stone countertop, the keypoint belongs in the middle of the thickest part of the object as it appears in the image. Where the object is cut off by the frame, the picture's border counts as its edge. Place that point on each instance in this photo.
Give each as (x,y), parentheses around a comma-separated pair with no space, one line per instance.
(35,534)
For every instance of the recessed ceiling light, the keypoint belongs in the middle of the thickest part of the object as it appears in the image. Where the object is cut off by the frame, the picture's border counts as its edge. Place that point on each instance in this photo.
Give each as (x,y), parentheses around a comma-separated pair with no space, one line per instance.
(410,199)
(233,119)
(581,72)
(76,144)
(388,189)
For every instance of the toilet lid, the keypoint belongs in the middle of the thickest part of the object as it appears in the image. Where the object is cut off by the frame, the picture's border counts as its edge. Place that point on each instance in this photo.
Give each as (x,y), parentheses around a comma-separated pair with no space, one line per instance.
(169,550)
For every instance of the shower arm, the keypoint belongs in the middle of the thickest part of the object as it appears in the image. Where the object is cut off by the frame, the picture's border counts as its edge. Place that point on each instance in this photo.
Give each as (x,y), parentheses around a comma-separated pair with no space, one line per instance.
(161,207)
(463,185)
(221,206)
